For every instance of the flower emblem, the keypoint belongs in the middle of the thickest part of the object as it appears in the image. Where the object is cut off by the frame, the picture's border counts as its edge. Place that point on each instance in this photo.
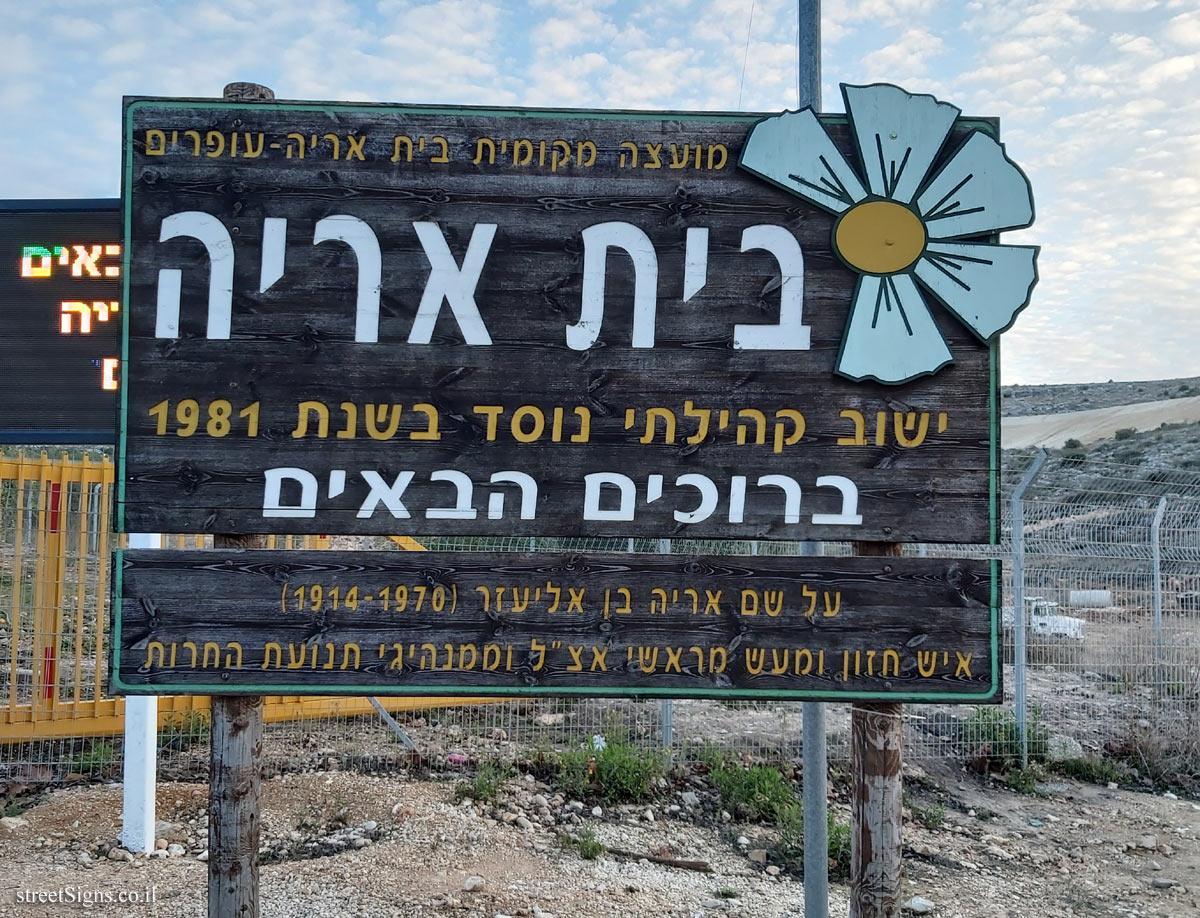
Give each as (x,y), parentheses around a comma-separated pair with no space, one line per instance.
(903,230)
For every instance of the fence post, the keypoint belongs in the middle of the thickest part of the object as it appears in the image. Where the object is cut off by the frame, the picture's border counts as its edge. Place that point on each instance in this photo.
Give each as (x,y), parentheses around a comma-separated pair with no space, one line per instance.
(140,776)
(1156,571)
(1018,578)
(666,708)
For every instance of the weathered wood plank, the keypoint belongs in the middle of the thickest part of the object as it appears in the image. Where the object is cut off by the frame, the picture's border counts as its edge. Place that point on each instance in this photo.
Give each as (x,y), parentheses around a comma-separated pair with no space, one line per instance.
(390,623)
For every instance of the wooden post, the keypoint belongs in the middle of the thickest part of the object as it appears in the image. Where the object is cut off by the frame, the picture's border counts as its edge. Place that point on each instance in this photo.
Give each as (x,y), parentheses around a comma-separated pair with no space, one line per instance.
(235,769)
(876,744)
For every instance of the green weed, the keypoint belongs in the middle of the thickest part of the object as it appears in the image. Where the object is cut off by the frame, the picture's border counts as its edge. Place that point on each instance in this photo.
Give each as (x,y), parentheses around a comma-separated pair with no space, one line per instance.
(586,843)
(757,793)
(932,817)
(98,756)
(1091,770)
(182,730)
(483,788)
(993,733)
(619,772)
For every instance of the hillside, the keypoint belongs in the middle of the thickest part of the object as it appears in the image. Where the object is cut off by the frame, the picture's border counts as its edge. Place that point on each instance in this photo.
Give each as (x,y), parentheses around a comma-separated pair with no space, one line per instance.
(1019,401)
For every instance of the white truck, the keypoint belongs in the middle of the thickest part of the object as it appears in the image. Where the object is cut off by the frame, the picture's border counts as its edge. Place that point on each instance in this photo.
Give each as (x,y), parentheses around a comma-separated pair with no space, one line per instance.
(1044,620)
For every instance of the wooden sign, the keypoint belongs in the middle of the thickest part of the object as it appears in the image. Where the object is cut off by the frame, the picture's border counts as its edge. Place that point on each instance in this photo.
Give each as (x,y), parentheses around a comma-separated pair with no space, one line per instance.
(378,623)
(407,320)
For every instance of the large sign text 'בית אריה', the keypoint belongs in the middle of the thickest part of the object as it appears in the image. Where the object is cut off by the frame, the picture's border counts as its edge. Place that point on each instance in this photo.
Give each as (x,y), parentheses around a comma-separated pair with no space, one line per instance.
(386,319)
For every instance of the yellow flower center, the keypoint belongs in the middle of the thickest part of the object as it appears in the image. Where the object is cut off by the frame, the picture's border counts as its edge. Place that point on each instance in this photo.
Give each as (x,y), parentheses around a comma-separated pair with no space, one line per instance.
(879,237)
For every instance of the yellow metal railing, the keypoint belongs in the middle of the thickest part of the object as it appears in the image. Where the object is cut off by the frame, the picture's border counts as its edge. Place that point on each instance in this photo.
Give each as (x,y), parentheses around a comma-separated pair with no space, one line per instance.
(55,548)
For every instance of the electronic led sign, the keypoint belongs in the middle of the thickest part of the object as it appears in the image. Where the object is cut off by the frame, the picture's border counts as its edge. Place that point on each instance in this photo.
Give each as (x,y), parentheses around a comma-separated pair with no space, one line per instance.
(60,299)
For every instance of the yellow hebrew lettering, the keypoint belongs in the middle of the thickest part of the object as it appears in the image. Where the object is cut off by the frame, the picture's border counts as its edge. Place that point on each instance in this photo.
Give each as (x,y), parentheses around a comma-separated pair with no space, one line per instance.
(491,657)
(354,147)
(444,156)
(408,148)
(647,659)
(378,415)
(804,661)
(150,648)
(890,656)
(704,414)
(668,418)
(749,602)
(773,602)
(576,664)
(487,597)
(351,429)
(673,659)
(653,150)
(860,427)
(251,151)
(431,432)
(491,151)
(599,662)
(963,666)
(560,154)
(655,608)
(831,609)
(926,662)
(463,665)
(271,645)
(797,419)
(302,420)
(492,413)
(756,659)
(153,149)
(760,420)
(517,426)
(217,139)
(780,659)
(903,423)
(717,148)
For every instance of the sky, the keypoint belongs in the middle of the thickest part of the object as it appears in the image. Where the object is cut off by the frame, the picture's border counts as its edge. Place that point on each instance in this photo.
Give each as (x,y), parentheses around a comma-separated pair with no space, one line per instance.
(1099,102)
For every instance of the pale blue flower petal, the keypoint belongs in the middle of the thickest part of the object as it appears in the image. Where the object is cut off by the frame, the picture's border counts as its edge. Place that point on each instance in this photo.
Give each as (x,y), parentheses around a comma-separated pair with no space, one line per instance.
(985,286)
(898,136)
(890,337)
(793,151)
(979,191)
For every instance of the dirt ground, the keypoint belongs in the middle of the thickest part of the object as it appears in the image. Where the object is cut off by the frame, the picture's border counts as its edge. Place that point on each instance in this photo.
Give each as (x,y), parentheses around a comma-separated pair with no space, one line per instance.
(347,844)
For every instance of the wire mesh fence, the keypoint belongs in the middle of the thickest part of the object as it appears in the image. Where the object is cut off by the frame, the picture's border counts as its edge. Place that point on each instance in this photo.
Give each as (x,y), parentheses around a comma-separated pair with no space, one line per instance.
(1111,576)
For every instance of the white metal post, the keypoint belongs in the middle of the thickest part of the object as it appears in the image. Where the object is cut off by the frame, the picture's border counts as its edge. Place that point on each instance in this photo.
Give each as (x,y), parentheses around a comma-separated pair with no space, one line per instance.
(141,752)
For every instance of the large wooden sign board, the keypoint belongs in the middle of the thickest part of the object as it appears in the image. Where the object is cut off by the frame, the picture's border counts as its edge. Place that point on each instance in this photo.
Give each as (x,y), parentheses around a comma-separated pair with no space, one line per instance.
(406,320)
(839,629)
